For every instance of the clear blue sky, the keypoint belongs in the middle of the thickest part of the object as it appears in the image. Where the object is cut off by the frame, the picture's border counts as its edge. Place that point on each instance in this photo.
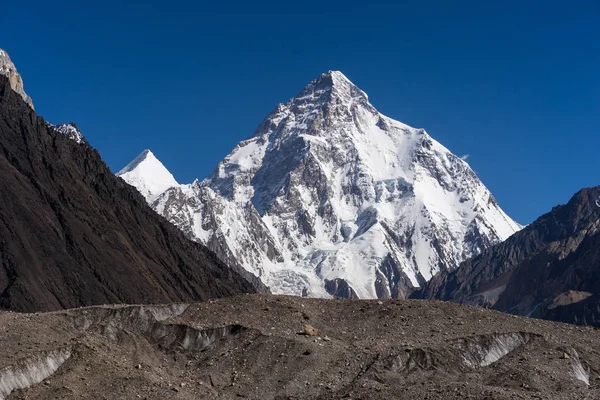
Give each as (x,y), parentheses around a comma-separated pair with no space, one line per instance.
(514,84)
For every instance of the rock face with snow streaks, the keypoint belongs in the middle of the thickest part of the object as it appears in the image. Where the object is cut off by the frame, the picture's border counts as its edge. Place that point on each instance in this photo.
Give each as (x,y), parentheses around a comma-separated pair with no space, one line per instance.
(331,198)
(69,130)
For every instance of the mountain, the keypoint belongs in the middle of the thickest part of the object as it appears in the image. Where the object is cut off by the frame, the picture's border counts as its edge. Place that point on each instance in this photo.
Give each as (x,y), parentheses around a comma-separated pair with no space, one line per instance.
(148,175)
(550,269)
(73,234)
(283,347)
(331,198)
(8,69)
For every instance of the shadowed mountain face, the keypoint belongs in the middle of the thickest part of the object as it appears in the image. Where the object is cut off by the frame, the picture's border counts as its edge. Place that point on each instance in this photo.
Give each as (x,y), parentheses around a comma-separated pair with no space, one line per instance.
(550,269)
(73,234)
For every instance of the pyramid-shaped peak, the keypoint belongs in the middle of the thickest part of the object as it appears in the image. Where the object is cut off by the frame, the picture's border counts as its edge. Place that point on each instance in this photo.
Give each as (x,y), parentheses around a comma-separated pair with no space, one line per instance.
(145,155)
(337,77)
(148,175)
(331,95)
(331,85)
(330,190)
(332,79)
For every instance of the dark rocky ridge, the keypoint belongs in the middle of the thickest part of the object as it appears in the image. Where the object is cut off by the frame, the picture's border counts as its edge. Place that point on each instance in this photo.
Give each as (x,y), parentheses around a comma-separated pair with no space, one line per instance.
(550,269)
(73,234)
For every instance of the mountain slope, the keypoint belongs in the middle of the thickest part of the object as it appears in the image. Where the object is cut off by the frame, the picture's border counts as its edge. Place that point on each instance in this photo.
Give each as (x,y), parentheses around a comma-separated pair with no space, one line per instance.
(73,234)
(330,197)
(550,269)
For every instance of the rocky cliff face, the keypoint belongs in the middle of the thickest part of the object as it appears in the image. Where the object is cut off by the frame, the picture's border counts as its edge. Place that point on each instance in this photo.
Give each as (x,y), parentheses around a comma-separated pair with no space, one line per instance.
(73,234)
(8,69)
(550,269)
(330,197)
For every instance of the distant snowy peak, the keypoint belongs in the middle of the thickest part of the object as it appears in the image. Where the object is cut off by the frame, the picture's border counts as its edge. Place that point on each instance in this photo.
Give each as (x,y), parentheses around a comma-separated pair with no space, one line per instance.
(8,69)
(148,175)
(69,130)
(331,93)
(331,198)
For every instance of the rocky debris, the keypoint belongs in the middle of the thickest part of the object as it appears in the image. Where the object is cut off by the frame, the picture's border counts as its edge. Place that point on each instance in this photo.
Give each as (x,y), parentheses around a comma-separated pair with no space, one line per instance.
(125,352)
(309,330)
(72,234)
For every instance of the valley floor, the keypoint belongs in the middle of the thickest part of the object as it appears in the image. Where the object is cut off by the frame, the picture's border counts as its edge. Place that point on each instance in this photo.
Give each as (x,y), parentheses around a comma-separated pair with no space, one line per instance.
(279,347)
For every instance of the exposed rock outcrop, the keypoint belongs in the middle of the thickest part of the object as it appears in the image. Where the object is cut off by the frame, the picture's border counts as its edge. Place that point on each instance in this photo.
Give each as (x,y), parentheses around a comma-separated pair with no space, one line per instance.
(8,69)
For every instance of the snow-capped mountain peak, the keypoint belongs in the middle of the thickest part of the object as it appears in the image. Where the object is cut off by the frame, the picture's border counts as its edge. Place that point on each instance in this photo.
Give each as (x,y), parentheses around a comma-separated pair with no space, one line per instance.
(148,175)
(332,84)
(330,94)
(330,197)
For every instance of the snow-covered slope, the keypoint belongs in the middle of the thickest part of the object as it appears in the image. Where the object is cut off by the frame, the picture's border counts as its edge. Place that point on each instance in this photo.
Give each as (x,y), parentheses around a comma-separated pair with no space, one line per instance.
(148,175)
(8,69)
(330,197)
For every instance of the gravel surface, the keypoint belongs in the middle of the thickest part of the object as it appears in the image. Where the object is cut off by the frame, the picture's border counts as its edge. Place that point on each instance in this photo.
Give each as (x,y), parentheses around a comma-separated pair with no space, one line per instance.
(278,347)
